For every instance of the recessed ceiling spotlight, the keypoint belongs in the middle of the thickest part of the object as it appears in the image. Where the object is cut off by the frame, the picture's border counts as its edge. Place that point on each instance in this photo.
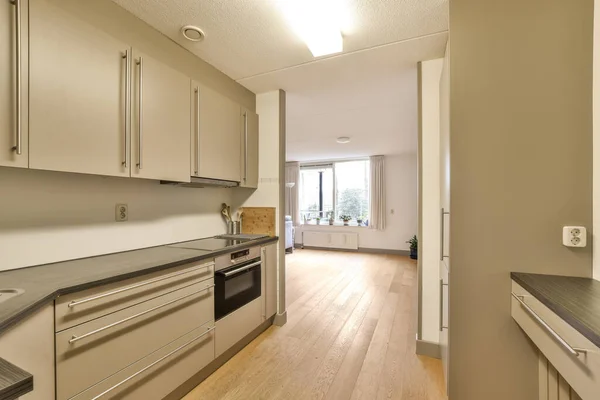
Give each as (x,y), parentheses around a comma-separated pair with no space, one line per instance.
(343,139)
(193,33)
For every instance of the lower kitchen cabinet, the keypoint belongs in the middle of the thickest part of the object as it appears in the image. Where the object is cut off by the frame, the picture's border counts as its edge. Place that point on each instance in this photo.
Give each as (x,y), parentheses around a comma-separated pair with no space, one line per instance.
(93,351)
(160,139)
(158,374)
(235,326)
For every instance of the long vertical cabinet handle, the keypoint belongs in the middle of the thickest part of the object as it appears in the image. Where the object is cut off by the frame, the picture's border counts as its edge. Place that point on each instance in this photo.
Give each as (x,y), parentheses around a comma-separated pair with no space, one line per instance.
(442,214)
(18,147)
(140,62)
(245,146)
(442,284)
(127,92)
(197,91)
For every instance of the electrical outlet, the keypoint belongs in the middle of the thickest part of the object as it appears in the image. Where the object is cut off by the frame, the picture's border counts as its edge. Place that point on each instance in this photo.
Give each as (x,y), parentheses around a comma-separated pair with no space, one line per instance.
(574,236)
(121,213)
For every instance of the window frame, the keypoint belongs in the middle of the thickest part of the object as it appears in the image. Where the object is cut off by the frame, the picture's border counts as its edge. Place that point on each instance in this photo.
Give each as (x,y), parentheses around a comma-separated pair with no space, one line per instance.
(316,165)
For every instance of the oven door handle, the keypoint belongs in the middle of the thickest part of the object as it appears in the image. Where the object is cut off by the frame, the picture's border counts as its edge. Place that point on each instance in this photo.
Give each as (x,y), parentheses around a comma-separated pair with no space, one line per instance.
(236,271)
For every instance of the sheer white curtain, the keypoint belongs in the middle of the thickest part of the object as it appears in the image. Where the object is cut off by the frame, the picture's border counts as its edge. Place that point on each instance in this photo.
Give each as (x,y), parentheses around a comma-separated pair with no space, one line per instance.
(377,193)
(292,200)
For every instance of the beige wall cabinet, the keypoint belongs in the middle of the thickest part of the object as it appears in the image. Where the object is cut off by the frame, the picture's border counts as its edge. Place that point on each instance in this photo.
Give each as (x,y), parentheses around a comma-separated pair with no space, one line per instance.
(78,95)
(161,121)
(14,149)
(215,135)
(269,258)
(249,154)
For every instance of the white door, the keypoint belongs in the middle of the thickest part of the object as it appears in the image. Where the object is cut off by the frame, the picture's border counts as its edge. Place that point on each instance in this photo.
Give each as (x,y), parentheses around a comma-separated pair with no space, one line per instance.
(13,84)
(249,155)
(218,139)
(78,96)
(160,140)
(445,283)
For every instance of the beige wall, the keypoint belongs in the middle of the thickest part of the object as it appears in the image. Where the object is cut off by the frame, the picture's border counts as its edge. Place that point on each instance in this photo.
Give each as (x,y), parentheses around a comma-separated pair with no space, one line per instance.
(596,241)
(54,216)
(429,199)
(521,168)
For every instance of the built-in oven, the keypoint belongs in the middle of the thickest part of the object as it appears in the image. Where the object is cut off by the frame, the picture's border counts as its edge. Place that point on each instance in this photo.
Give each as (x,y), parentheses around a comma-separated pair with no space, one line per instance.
(237,280)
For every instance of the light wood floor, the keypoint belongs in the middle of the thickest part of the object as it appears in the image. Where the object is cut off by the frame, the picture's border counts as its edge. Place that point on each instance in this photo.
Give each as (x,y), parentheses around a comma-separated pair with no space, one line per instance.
(350,335)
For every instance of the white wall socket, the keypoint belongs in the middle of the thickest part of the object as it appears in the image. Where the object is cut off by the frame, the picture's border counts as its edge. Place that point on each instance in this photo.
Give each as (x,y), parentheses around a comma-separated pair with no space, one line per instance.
(574,236)
(121,212)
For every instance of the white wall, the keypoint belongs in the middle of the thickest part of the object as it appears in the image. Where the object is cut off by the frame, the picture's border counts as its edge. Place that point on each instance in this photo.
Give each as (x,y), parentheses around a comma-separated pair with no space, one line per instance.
(52,216)
(401,197)
(430,198)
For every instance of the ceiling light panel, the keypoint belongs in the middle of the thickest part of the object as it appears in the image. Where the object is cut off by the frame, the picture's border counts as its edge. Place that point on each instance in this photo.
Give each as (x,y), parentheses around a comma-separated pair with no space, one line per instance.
(319,23)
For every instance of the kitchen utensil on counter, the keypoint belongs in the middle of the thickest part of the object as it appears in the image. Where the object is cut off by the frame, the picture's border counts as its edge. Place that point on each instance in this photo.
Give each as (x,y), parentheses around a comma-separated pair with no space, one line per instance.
(225,210)
(234,227)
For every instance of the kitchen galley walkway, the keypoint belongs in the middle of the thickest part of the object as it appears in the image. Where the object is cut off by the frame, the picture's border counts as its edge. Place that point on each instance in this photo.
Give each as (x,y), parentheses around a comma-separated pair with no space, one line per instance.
(350,335)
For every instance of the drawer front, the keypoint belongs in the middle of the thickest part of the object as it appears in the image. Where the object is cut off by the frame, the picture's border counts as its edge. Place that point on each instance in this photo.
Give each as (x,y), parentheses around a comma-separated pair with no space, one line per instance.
(235,326)
(158,374)
(581,372)
(90,352)
(76,308)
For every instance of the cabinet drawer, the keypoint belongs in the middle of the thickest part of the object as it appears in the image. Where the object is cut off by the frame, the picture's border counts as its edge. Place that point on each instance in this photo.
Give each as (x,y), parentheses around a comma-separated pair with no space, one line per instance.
(582,372)
(93,351)
(76,308)
(158,374)
(235,326)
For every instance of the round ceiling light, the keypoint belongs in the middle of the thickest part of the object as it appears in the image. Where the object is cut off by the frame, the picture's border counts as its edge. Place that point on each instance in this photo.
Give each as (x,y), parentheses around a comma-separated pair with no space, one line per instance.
(192,33)
(343,139)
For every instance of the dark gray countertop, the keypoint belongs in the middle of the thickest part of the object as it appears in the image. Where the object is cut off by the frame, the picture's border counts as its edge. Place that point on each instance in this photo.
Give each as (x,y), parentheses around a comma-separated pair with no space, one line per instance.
(43,283)
(575,300)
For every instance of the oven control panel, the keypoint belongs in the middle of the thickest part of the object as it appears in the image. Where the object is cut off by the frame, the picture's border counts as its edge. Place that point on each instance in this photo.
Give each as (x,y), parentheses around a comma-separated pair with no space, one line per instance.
(237,257)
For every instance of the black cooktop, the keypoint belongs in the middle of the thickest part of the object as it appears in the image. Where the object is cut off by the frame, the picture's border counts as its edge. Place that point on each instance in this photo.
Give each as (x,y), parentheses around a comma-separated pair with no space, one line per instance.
(211,244)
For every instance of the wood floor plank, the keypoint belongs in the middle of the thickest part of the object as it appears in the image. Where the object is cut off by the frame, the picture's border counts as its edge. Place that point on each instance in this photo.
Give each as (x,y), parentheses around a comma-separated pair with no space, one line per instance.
(350,335)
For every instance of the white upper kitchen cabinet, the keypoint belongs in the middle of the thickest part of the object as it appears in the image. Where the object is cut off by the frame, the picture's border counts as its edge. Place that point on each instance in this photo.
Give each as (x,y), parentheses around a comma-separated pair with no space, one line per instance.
(160,137)
(216,138)
(78,95)
(249,154)
(13,84)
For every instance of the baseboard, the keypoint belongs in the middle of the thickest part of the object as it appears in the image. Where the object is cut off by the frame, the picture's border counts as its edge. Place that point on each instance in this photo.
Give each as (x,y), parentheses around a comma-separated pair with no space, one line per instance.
(280,319)
(360,250)
(194,381)
(429,349)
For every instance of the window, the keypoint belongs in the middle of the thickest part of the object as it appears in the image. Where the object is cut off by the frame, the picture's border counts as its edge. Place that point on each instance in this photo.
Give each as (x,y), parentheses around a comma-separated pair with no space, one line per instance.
(335,189)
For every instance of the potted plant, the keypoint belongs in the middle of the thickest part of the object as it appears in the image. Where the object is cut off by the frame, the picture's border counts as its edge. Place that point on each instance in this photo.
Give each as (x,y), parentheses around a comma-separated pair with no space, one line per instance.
(330,217)
(318,219)
(346,219)
(414,247)
(360,220)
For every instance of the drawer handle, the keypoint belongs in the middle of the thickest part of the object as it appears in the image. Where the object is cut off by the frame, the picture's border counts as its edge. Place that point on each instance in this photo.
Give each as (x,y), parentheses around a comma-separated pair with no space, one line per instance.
(137,285)
(244,268)
(573,350)
(77,338)
(153,364)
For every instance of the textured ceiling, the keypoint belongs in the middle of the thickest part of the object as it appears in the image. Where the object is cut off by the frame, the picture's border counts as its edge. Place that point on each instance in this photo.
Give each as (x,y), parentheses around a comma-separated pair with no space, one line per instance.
(370,96)
(368,92)
(250,37)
